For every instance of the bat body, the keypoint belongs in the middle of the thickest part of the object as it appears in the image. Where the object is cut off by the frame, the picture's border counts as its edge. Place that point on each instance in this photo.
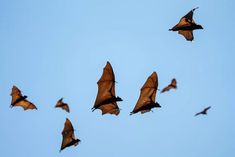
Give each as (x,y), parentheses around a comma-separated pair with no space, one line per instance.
(68,135)
(62,105)
(186,26)
(172,85)
(203,112)
(106,100)
(19,100)
(147,96)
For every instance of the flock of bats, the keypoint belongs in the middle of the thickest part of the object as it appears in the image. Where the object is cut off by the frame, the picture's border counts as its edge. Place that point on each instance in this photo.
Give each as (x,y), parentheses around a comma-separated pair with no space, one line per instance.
(106,99)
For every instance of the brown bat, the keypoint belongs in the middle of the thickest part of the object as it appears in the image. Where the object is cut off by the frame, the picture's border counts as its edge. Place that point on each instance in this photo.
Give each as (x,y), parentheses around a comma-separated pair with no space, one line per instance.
(204,112)
(62,105)
(68,135)
(186,26)
(106,100)
(19,100)
(147,96)
(172,85)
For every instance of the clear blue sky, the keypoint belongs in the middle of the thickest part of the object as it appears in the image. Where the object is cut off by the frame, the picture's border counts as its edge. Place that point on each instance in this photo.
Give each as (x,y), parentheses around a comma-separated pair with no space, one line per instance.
(58,48)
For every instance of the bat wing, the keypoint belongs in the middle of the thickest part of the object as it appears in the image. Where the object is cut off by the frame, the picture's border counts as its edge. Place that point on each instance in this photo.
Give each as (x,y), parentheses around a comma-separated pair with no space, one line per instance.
(106,99)
(185,21)
(147,93)
(182,24)
(167,88)
(16,95)
(111,108)
(68,135)
(206,109)
(106,85)
(198,113)
(189,15)
(188,34)
(26,104)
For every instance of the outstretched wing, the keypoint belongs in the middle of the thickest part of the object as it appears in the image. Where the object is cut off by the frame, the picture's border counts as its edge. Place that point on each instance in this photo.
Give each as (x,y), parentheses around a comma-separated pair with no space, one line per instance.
(188,34)
(15,95)
(198,113)
(167,88)
(26,104)
(106,99)
(206,109)
(147,93)
(19,100)
(68,134)
(185,21)
(106,87)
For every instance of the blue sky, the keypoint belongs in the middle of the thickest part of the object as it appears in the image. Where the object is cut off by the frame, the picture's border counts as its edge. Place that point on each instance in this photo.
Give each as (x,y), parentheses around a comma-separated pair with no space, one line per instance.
(53,49)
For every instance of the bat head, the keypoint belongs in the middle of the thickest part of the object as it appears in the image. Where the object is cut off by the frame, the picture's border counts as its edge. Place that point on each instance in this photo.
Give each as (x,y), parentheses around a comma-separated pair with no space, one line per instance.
(118,99)
(157,105)
(198,27)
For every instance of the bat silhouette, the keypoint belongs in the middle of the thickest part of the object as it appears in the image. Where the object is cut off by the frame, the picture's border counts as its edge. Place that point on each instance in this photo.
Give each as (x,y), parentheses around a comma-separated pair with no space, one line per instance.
(172,85)
(19,100)
(203,112)
(147,96)
(106,100)
(186,26)
(62,105)
(68,135)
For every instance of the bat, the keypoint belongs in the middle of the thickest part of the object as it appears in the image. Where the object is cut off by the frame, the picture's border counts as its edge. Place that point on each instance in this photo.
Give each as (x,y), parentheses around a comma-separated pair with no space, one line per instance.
(186,26)
(68,135)
(62,105)
(19,100)
(203,112)
(106,100)
(172,85)
(147,96)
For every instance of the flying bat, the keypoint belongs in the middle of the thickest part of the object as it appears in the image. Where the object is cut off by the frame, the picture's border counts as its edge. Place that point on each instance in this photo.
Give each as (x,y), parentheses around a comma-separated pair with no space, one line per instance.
(147,96)
(186,26)
(106,100)
(62,105)
(172,85)
(19,100)
(203,112)
(68,135)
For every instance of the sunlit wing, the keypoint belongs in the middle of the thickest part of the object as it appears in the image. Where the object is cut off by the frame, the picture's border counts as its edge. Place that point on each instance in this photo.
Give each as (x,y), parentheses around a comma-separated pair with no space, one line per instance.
(187,34)
(147,93)
(106,99)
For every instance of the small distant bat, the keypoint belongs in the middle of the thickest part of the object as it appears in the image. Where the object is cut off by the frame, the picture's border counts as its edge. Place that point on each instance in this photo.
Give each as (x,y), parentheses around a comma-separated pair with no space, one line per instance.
(147,96)
(106,100)
(62,105)
(172,85)
(204,112)
(68,136)
(186,26)
(19,100)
